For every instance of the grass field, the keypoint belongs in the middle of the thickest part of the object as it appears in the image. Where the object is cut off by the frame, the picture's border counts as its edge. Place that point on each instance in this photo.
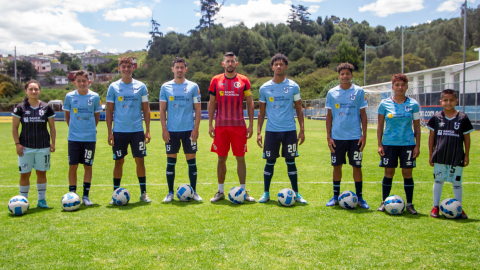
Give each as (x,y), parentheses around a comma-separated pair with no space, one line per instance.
(226,236)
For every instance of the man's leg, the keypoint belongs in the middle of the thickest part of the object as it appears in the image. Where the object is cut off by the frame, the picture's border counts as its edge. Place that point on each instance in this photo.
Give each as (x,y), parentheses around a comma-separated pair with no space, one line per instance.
(221,173)
(72,178)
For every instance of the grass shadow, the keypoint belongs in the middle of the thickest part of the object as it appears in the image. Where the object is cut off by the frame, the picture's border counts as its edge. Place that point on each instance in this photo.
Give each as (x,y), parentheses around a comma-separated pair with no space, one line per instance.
(356,210)
(408,215)
(129,206)
(460,220)
(229,203)
(183,204)
(83,207)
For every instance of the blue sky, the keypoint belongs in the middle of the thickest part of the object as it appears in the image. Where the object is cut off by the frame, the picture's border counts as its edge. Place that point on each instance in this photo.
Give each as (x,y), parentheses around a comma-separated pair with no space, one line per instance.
(42,26)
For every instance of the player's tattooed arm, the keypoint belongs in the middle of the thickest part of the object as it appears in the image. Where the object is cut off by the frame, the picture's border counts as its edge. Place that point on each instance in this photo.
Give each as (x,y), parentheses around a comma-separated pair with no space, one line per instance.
(381,123)
(329,120)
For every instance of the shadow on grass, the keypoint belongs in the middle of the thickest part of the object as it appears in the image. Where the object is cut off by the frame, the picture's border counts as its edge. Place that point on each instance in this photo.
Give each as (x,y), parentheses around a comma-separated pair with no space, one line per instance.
(356,210)
(129,206)
(229,203)
(458,220)
(408,215)
(83,207)
(276,203)
(183,204)
(30,211)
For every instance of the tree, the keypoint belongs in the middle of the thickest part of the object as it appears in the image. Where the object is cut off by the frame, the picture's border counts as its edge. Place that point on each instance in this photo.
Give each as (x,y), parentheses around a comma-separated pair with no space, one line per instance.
(49,79)
(90,68)
(154,33)
(64,58)
(58,72)
(25,70)
(76,64)
(346,53)
(209,9)
(321,58)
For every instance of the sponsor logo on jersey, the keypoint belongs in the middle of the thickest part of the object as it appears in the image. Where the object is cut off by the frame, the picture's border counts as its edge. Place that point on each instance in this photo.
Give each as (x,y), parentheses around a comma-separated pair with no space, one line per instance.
(221,93)
(90,102)
(270,99)
(120,98)
(275,106)
(171,98)
(27,112)
(390,115)
(175,105)
(342,113)
(125,106)
(457,126)
(237,84)
(352,96)
(285,90)
(75,110)
(79,118)
(337,105)
(440,132)
(441,124)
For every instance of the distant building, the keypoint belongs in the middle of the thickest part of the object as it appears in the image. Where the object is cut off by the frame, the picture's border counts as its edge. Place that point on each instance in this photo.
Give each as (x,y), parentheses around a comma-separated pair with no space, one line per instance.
(94,61)
(59,66)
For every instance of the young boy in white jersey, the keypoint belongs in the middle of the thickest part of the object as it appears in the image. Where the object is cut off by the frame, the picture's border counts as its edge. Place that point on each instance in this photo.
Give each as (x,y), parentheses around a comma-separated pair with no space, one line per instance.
(449,134)
(82,112)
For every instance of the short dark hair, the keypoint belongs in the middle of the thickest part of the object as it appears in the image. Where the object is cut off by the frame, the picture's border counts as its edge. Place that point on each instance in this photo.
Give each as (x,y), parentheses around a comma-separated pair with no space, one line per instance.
(179,60)
(399,77)
(125,60)
(228,54)
(277,57)
(343,66)
(449,92)
(80,73)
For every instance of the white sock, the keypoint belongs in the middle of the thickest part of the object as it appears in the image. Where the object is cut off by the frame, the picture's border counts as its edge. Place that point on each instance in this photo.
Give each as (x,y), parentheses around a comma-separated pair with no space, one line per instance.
(458,192)
(24,191)
(437,192)
(42,189)
(242,186)
(220,188)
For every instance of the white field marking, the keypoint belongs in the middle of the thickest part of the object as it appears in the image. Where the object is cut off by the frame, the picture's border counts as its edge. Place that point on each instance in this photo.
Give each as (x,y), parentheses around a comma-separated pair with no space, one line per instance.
(376,183)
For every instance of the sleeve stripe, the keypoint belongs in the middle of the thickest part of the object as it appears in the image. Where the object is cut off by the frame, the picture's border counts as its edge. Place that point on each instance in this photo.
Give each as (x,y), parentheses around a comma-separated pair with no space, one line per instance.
(262,101)
(110,101)
(328,107)
(99,110)
(16,115)
(364,107)
(51,116)
(430,128)
(468,131)
(296,97)
(163,100)
(67,110)
(145,98)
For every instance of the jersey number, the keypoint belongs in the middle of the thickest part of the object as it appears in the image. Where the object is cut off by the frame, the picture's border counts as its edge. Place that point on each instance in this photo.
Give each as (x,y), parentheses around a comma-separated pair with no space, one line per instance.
(47,159)
(292,148)
(357,155)
(141,146)
(88,154)
(409,152)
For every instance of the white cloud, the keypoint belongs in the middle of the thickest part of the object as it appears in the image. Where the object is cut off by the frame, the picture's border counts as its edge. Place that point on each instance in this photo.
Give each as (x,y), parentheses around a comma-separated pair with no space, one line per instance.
(383,8)
(451,5)
(312,1)
(106,34)
(313,9)
(141,24)
(124,14)
(414,24)
(429,21)
(136,35)
(196,3)
(170,28)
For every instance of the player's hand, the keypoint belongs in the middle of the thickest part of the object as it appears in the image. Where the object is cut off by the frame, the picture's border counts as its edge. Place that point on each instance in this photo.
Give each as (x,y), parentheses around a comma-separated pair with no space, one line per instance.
(362,142)
(194,135)
(466,160)
(20,150)
(331,145)
(381,151)
(259,139)
(211,131)
(416,151)
(301,137)
(249,132)
(147,137)
(52,147)
(430,161)
(111,140)
(166,136)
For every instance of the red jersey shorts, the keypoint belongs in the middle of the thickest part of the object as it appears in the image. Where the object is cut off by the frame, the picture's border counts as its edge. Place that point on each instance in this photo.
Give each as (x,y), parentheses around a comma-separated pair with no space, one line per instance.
(226,136)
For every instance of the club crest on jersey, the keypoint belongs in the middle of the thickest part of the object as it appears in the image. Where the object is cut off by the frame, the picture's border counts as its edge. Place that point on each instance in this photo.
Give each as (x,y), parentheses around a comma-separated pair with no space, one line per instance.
(457,126)
(41,112)
(408,108)
(185,90)
(135,90)
(285,90)
(237,85)
(352,96)
(90,102)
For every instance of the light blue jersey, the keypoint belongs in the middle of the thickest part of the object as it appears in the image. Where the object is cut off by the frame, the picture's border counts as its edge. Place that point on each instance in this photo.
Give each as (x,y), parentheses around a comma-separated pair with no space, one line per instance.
(82,110)
(180,99)
(345,106)
(279,99)
(127,99)
(398,121)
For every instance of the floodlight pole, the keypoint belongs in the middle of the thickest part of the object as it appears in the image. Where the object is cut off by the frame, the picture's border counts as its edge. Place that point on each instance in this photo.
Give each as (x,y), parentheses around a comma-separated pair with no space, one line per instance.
(365,67)
(403,47)
(464,50)
(15,68)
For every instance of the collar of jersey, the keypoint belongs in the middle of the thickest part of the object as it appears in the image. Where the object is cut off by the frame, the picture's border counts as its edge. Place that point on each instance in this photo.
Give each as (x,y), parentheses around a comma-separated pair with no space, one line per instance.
(450,119)
(121,81)
(351,88)
(284,81)
(229,78)
(399,103)
(184,82)
(76,92)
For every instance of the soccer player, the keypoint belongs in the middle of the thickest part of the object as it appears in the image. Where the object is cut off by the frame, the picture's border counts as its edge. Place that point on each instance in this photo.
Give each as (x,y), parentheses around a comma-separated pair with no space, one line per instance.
(449,132)
(128,98)
(399,141)
(82,111)
(346,130)
(33,144)
(227,91)
(178,98)
(277,97)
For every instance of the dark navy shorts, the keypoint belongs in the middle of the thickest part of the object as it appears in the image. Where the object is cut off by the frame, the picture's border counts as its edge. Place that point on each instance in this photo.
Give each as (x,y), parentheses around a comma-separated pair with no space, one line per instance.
(123,139)
(273,140)
(81,153)
(394,152)
(181,138)
(347,147)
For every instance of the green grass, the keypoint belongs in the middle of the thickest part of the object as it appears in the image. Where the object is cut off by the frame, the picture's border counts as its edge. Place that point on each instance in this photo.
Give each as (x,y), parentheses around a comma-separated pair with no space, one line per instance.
(226,236)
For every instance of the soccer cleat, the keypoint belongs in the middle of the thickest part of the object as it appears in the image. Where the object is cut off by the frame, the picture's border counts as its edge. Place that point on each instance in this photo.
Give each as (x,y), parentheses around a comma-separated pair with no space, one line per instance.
(196,197)
(464,216)
(434,212)
(168,198)
(144,197)
(265,197)
(382,207)
(217,197)
(363,204)
(411,210)
(299,198)
(332,202)
(86,201)
(111,202)
(249,198)
(42,203)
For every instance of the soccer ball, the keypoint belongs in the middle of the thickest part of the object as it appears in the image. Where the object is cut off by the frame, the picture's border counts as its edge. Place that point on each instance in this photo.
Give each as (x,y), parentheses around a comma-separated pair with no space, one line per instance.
(286,197)
(121,196)
(18,205)
(185,193)
(451,208)
(348,200)
(394,205)
(237,195)
(70,201)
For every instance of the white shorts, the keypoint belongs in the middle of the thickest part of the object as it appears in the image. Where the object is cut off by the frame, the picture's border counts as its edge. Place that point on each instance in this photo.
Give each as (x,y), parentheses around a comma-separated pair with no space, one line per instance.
(34,158)
(452,174)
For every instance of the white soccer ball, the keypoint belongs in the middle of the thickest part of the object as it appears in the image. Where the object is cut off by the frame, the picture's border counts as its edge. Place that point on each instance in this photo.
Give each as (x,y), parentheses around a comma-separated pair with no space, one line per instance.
(348,200)
(394,205)
(18,205)
(286,197)
(121,196)
(237,195)
(451,208)
(185,193)
(70,202)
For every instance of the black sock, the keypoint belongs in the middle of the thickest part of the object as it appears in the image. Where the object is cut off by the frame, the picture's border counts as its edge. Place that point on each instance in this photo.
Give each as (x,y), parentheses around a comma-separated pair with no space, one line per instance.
(192,173)
(336,189)
(116,183)
(86,188)
(143,184)
(292,173)
(72,189)
(268,174)
(408,186)
(386,187)
(358,189)
(171,173)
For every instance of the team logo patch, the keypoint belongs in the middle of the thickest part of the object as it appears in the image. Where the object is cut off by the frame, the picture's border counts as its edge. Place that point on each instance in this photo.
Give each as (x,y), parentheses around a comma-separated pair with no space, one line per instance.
(408,108)
(120,98)
(90,102)
(41,112)
(352,96)
(285,90)
(185,90)
(237,85)
(337,105)
(385,161)
(24,166)
(221,93)
(457,126)
(438,174)
(135,90)
(334,159)
(171,98)
(270,99)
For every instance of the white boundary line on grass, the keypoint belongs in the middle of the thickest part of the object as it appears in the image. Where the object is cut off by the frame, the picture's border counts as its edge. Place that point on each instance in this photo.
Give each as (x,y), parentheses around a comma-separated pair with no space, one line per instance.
(398,182)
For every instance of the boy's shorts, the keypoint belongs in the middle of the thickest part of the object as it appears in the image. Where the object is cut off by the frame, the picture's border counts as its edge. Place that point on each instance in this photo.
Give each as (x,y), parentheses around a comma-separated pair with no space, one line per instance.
(394,152)
(181,138)
(347,147)
(37,158)
(81,153)
(226,136)
(452,174)
(273,140)
(123,139)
